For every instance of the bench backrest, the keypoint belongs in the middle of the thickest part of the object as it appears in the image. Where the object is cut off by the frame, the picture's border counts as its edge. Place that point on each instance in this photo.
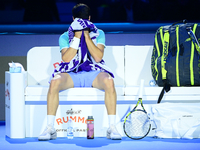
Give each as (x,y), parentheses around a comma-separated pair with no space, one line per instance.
(138,65)
(42,60)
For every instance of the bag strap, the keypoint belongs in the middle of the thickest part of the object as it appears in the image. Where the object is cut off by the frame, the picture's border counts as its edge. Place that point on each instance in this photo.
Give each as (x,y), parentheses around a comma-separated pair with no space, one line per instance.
(177,55)
(166,86)
(161,95)
(193,37)
(194,42)
(158,50)
(181,21)
(164,54)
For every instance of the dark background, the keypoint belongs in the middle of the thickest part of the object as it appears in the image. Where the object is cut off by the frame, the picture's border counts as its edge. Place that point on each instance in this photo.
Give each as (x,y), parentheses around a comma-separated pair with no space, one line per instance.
(59,11)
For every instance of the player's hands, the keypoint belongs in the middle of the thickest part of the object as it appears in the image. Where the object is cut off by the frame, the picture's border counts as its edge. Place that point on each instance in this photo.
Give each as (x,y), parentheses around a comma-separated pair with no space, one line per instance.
(78,34)
(86,33)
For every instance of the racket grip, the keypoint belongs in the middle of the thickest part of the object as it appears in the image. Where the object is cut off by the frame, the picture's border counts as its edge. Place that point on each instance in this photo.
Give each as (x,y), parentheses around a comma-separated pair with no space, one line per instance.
(141,88)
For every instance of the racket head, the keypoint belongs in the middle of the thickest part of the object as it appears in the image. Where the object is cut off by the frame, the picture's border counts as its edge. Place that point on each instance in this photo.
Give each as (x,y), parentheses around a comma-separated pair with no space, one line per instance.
(137,124)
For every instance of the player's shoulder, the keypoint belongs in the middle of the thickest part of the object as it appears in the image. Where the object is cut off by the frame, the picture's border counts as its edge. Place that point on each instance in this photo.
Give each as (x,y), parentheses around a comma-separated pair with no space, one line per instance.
(64,35)
(101,32)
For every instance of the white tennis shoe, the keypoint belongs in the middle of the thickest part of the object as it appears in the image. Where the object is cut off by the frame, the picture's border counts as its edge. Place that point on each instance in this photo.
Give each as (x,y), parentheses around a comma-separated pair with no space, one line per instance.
(48,134)
(113,134)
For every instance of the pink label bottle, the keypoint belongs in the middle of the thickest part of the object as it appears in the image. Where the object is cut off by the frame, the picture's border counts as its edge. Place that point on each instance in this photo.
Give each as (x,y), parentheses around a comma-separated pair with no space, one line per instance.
(90,127)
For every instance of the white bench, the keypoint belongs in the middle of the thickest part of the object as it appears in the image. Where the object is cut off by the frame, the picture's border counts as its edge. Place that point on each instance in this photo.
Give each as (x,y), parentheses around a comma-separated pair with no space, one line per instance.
(130,64)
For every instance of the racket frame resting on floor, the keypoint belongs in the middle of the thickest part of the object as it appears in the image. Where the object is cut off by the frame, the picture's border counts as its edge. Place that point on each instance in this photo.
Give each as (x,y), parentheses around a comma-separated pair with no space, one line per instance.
(143,112)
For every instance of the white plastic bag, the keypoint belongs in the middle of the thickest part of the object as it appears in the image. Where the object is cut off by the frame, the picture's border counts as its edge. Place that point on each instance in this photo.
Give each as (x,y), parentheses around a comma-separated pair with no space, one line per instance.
(176,120)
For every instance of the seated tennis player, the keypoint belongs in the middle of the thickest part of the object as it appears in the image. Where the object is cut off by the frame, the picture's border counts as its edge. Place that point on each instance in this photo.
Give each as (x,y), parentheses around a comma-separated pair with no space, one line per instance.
(82,49)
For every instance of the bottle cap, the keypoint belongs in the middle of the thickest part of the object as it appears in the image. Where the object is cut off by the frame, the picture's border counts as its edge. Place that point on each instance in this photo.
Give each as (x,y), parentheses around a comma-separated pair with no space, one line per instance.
(90,117)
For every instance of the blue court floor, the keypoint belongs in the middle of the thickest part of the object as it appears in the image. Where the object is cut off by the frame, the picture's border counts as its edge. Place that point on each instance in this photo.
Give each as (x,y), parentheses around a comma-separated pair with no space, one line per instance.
(97,143)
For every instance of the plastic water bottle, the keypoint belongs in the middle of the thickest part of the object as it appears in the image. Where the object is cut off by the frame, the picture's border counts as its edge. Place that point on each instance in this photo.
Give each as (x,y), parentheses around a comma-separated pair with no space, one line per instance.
(90,127)
(70,133)
(152,82)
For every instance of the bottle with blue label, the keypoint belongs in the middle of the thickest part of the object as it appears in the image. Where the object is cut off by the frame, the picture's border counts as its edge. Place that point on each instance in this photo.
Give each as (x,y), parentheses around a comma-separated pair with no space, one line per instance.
(70,133)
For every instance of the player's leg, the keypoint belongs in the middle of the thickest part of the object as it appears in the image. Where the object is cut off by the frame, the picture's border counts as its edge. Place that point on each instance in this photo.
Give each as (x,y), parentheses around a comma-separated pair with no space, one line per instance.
(60,82)
(105,82)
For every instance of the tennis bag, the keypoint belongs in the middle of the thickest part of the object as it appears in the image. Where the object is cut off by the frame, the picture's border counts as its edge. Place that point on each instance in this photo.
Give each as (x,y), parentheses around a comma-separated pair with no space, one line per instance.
(170,121)
(175,57)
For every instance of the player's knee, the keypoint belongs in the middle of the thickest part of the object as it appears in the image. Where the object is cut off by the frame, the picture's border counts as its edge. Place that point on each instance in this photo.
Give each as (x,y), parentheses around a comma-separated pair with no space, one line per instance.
(55,83)
(109,83)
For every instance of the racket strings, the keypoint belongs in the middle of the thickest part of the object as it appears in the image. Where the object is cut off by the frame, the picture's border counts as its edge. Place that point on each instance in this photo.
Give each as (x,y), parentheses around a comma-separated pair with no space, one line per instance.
(137,124)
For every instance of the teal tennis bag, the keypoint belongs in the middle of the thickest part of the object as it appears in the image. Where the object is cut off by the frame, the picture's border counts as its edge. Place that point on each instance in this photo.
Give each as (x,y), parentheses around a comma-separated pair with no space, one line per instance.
(175,58)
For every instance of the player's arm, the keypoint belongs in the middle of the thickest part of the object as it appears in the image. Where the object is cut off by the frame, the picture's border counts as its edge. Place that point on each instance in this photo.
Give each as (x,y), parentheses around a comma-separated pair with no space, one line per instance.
(69,53)
(96,51)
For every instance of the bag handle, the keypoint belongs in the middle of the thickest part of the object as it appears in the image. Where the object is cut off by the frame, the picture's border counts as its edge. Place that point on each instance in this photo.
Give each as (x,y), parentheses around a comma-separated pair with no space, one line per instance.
(193,37)
(181,21)
(166,88)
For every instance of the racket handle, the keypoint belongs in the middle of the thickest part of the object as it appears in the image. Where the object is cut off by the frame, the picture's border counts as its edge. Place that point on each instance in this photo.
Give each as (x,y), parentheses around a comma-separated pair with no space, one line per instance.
(141,88)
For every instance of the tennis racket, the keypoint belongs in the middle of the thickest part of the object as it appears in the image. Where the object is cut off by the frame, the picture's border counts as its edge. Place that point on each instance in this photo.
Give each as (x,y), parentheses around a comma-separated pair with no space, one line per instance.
(137,122)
